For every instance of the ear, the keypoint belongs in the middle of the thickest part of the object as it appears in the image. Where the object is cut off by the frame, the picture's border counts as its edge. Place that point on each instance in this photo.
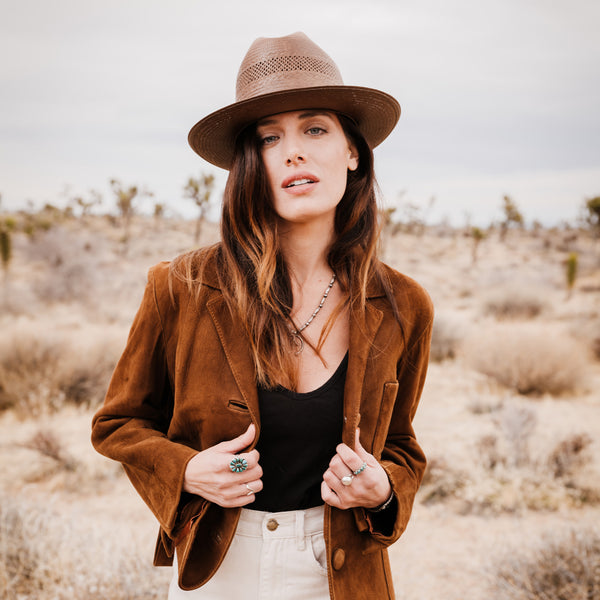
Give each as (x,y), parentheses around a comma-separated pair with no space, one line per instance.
(352,158)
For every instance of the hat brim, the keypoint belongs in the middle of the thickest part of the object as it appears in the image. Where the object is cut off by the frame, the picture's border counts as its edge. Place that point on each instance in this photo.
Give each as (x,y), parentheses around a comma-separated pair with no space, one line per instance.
(375,112)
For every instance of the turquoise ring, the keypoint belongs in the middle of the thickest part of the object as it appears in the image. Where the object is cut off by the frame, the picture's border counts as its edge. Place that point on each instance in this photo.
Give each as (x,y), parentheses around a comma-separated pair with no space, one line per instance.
(238,464)
(360,469)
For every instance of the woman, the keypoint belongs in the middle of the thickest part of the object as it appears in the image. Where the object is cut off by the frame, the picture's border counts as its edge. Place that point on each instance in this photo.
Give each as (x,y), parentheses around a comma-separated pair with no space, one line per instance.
(263,405)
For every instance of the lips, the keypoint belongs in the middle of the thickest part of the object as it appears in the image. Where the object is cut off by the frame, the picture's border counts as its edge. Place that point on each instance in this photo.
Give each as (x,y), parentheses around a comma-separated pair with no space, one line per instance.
(298,179)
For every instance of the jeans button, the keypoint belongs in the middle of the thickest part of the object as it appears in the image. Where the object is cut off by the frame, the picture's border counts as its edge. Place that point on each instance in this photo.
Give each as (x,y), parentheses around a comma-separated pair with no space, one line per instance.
(272,524)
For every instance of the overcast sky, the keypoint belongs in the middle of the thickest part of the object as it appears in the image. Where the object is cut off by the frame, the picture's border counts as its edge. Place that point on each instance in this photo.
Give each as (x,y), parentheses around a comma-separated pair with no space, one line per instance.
(497,97)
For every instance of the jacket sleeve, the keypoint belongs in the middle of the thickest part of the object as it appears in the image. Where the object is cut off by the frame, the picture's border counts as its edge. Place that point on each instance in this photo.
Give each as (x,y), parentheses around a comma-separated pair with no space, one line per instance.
(402,457)
(131,426)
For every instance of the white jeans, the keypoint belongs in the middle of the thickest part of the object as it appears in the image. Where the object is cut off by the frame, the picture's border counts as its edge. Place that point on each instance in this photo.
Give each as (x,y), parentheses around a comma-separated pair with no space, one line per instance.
(273,556)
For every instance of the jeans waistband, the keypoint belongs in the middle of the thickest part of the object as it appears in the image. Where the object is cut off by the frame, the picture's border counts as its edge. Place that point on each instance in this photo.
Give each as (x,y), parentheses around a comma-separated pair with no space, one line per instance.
(287,524)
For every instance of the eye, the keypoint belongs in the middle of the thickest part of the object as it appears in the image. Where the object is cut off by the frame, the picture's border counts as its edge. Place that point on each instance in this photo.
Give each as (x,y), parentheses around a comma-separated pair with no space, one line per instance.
(316,130)
(268,140)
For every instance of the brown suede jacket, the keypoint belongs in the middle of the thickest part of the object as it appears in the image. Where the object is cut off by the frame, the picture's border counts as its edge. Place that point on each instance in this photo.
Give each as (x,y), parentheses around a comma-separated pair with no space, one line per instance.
(186,381)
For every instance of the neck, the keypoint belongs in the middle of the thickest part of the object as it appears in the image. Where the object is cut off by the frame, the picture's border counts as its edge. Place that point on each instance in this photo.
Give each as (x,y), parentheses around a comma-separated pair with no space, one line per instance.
(305,248)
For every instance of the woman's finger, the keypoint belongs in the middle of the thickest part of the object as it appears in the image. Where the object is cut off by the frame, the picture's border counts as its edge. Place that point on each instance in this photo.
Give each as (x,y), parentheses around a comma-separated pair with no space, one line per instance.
(350,458)
(338,467)
(329,496)
(251,487)
(358,448)
(241,442)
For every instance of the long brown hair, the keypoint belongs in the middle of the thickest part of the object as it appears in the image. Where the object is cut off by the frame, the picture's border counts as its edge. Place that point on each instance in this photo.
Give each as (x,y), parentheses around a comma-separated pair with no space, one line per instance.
(253,275)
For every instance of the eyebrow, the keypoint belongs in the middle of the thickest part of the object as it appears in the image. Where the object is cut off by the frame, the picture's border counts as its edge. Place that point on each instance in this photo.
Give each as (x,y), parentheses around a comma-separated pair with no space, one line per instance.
(305,115)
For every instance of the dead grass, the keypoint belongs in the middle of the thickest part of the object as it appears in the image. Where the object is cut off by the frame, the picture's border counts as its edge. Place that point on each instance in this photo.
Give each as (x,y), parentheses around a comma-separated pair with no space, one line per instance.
(42,368)
(506,476)
(446,337)
(528,358)
(567,568)
(515,302)
(47,444)
(45,554)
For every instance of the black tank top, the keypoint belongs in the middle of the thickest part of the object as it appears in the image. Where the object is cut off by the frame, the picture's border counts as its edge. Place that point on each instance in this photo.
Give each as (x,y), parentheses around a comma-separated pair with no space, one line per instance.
(299,434)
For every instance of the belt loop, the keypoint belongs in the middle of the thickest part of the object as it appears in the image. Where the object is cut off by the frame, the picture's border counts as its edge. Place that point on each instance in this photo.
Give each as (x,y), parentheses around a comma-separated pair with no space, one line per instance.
(300,530)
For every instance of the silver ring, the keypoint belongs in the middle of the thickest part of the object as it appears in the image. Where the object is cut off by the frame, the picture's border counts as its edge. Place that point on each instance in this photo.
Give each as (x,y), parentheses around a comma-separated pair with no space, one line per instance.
(347,479)
(250,490)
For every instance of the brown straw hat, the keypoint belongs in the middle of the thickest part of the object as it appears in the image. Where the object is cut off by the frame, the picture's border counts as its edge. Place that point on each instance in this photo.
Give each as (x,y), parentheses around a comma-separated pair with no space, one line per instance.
(285,74)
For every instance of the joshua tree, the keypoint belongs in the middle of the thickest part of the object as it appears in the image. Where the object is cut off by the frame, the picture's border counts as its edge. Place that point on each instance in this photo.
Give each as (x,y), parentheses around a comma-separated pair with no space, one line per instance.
(199,190)
(478,235)
(512,216)
(5,246)
(159,213)
(571,272)
(593,214)
(125,198)
(86,206)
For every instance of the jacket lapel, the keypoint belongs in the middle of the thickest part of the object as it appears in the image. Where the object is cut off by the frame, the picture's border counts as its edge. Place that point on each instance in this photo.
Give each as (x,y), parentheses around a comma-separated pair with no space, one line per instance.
(363,329)
(231,335)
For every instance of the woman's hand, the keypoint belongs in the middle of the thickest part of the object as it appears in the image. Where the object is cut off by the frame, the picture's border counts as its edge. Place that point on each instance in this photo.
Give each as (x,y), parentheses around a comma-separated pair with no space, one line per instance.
(208,473)
(369,489)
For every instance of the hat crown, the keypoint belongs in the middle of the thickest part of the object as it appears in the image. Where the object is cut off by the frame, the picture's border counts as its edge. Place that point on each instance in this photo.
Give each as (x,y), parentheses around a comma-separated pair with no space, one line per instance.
(284,63)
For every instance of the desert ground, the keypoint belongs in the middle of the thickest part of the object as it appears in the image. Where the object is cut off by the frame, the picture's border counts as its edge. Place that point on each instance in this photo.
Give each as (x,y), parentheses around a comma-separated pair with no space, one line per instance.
(509,417)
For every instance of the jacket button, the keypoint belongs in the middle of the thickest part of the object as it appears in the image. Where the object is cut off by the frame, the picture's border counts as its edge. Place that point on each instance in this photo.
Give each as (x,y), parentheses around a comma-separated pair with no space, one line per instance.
(272,524)
(339,558)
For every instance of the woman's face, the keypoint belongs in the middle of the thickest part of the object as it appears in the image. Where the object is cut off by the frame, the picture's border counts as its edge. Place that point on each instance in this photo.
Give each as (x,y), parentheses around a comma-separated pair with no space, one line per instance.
(306,156)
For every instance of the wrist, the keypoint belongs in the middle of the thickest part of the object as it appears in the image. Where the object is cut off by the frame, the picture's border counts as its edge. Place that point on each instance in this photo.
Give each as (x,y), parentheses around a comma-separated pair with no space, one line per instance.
(384,504)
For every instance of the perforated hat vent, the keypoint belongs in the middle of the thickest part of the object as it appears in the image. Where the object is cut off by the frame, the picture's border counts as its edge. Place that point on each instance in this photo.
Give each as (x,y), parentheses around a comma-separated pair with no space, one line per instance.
(286,63)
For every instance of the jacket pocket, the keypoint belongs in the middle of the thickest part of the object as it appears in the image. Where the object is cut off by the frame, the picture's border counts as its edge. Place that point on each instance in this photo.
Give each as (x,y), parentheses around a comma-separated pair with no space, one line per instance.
(388,400)
(238,405)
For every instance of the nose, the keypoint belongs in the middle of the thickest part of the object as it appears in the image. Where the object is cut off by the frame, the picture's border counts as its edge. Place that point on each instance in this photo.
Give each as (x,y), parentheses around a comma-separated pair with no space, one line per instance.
(294,152)
(295,158)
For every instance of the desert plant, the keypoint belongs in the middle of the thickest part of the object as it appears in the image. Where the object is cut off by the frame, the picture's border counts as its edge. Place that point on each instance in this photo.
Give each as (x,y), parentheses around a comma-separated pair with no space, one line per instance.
(41,370)
(567,568)
(45,554)
(528,359)
(86,206)
(571,272)
(512,216)
(517,424)
(445,338)
(569,456)
(5,247)
(125,200)
(514,302)
(477,235)
(592,207)
(47,444)
(440,481)
(199,190)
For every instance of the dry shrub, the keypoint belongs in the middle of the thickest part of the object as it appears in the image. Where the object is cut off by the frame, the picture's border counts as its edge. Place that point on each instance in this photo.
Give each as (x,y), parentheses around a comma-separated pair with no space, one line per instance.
(529,359)
(567,568)
(515,302)
(68,272)
(440,482)
(47,444)
(508,477)
(569,456)
(42,369)
(445,339)
(44,554)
